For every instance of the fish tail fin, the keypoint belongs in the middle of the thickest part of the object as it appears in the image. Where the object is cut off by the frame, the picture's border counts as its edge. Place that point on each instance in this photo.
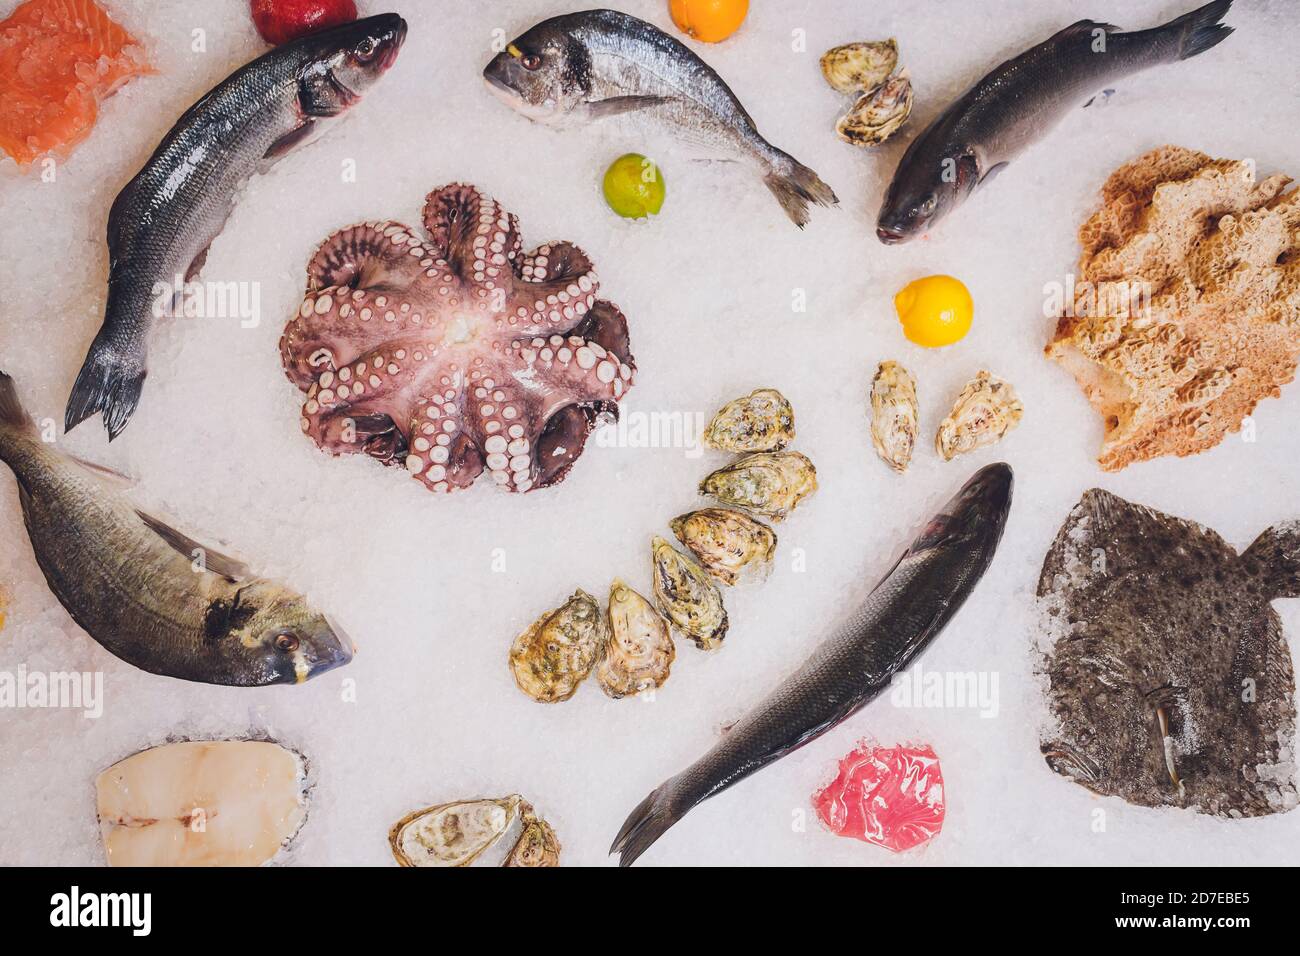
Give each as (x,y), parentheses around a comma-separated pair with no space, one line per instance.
(795,185)
(12,416)
(105,384)
(1201,29)
(647,823)
(1275,558)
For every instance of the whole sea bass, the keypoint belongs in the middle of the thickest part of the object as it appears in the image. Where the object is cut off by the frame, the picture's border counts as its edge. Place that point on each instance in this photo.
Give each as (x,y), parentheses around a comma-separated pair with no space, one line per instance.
(896,621)
(1020,101)
(600,63)
(163,221)
(146,592)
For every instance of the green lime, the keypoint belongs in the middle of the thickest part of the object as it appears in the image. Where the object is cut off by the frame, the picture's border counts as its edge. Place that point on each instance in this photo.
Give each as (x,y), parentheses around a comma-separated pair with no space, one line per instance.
(634,187)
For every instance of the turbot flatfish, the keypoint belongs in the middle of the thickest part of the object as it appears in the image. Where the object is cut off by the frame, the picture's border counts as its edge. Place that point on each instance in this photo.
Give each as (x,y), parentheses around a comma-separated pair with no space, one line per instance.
(1169,679)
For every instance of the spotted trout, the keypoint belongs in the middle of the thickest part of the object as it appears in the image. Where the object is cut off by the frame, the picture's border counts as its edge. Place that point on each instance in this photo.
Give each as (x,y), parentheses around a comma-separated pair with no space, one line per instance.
(1021,100)
(600,63)
(163,220)
(148,593)
(895,623)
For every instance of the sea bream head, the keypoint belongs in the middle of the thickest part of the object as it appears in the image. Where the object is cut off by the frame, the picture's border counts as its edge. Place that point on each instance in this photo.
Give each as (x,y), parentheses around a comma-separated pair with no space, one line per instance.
(276,636)
(545,73)
(339,65)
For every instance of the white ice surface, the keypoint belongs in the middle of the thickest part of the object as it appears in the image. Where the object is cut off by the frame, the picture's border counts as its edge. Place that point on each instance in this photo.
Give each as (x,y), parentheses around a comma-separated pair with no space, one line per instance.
(707,289)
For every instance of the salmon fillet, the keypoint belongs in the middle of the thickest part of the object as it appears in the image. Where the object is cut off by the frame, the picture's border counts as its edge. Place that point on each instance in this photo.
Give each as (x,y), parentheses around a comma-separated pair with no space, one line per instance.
(58,60)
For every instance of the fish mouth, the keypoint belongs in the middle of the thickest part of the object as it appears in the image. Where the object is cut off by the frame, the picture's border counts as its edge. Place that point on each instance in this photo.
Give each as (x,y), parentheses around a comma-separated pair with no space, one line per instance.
(890,237)
(393,44)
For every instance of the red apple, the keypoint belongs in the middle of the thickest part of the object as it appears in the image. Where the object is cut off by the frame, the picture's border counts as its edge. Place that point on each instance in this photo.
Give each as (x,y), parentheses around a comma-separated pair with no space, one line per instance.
(279,21)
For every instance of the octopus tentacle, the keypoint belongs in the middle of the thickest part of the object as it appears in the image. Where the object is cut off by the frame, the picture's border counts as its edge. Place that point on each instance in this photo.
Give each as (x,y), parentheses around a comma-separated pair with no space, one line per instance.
(577,366)
(606,325)
(555,285)
(371,255)
(478,238)
(443,454)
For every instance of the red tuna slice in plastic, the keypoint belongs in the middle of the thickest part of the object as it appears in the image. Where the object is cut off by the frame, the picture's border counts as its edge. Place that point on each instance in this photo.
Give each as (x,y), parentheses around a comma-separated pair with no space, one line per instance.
(889,796)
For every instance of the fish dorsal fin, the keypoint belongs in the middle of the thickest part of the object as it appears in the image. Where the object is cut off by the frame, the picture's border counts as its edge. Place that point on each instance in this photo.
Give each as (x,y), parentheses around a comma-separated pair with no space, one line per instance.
(1275,557)
(617,105)
(216,562)
(1086,27)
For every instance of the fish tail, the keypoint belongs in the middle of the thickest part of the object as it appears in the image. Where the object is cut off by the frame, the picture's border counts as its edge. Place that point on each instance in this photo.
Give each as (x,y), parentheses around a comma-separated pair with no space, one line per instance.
(795,185)
(1275,557)
(647,823)
(1199,30)
(105,384)
(12,416)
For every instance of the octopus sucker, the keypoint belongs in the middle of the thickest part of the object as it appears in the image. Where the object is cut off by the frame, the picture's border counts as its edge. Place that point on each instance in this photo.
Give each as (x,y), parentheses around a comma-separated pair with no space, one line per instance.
(453,353)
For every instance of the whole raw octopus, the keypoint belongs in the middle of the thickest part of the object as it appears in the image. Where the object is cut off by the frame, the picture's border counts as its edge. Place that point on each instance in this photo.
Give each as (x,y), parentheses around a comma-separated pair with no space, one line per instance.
(458,352)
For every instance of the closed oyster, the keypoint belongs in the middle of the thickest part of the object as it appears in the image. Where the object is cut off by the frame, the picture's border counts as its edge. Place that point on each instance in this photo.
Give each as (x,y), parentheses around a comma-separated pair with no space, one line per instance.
(692,603)
(558,651)
(537,846)
(761,421)
(726,542)
(986,409)
(894,415)
(639,651)
(767,483)
(453,834)
(860,67)
(877,115)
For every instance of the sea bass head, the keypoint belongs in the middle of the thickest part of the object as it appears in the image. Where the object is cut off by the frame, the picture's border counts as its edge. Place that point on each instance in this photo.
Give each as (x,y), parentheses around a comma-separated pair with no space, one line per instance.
(930,182)
(339,65)
(278,636)
(545,73)
(974,517)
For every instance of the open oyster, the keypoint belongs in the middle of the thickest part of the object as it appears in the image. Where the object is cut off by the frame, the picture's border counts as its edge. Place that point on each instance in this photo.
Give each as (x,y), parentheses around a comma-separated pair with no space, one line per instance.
(640,651)
(877,115)
(894,415)
(692,602)
(767,483)
(761,421)
(201,803)
(986,409)
(860,67)
(475,831)
(727,542)
(558,651)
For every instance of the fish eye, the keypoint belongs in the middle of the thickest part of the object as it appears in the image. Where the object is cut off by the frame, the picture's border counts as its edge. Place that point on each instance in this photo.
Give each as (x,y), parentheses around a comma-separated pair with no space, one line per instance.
(286,642)
(366,49)
(928,204)
(531,61)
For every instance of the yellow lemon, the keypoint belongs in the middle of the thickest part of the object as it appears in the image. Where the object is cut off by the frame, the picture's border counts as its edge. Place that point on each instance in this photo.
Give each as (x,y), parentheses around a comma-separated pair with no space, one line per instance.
(935,311)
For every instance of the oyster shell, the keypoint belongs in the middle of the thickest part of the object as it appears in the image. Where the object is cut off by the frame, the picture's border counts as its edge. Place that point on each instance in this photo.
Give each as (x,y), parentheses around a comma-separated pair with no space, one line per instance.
(559,649)
(537,846)
(640,651)
(453,834)
(767,483)
(475,831)
(986,409)
(860,67)
(727,542)
(894,415)
(877,115)
(761,421)
(690,601)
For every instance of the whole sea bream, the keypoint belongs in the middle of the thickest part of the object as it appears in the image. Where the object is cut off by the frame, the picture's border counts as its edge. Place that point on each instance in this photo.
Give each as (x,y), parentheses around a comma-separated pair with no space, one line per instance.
(163,220)
(895,623)
(146,592)
(599,63)
(1021,100)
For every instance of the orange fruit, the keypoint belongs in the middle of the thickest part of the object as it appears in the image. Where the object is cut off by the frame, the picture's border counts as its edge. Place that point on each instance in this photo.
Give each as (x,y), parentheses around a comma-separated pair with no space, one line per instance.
(709,20)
